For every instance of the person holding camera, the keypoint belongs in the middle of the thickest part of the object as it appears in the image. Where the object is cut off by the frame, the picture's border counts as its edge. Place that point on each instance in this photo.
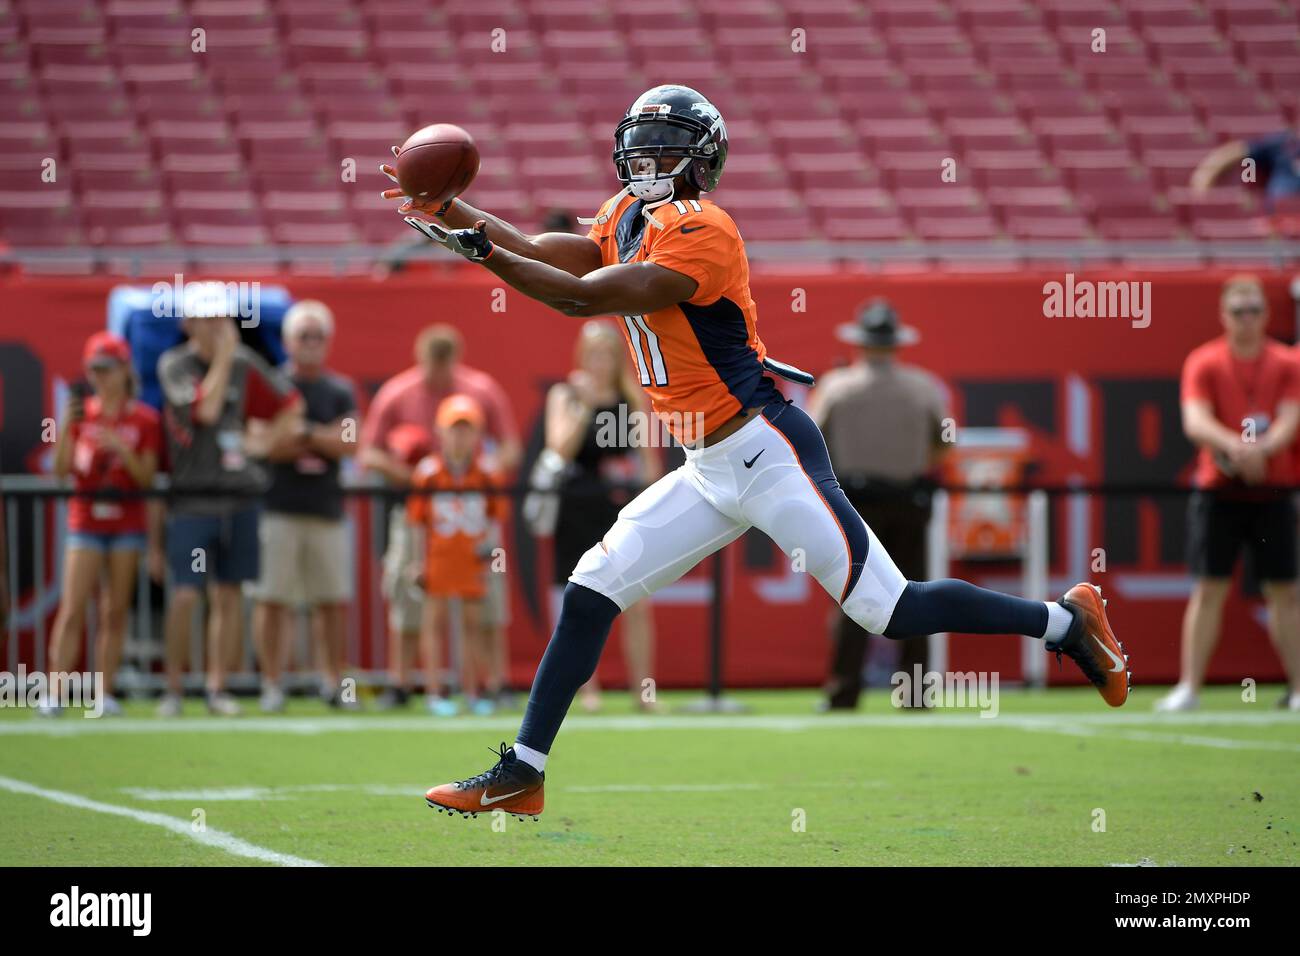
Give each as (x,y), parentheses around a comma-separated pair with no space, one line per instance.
(108,442)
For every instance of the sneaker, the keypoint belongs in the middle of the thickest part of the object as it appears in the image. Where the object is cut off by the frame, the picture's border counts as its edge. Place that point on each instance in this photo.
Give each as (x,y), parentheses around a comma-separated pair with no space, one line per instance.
(1092,645)
(1290,701)
(441,706)
(170,705)
(112,707)
(46,709)
(1180,698)
(482,707)
(511,785)
(272,700)
(393,698)
(334,700)
(222,704)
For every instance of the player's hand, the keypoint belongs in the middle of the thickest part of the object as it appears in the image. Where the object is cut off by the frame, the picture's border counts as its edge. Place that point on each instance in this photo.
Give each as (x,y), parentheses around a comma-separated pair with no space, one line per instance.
(473,244)
(410,203)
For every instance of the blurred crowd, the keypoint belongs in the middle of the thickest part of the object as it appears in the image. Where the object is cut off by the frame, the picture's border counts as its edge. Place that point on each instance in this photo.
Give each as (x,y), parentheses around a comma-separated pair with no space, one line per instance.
(256,507)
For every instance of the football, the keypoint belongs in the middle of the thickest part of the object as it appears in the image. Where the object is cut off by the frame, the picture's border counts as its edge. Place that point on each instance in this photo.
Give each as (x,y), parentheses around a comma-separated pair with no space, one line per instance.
(437,163)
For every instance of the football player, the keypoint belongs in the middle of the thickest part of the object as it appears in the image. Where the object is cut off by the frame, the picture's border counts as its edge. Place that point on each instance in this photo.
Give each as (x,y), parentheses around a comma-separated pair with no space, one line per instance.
(673,267)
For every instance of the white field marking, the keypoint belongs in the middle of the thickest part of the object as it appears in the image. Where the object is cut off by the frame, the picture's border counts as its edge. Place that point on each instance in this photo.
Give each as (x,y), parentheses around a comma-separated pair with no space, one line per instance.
(790,723)
(715,787)
(237,794)
(223,794)
(1152,737)
(217,839)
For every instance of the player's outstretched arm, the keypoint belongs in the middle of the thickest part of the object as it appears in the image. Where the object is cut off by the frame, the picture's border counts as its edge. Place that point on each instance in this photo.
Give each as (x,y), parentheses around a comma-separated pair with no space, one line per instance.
(630,288)
(576,255)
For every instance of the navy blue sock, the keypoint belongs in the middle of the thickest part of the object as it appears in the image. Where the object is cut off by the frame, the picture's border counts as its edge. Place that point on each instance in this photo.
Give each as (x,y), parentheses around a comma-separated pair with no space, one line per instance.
(570,659)
(933,607)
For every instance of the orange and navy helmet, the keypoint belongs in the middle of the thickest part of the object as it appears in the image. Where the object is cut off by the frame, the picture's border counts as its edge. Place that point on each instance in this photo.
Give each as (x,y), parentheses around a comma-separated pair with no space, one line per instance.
(675,122)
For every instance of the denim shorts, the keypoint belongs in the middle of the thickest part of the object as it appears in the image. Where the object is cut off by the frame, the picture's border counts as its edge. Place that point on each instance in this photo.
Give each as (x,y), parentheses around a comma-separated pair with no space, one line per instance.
(106,542)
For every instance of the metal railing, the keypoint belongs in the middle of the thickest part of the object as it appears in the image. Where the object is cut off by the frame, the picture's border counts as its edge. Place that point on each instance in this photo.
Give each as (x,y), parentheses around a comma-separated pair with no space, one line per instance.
(349,258)
(43,526)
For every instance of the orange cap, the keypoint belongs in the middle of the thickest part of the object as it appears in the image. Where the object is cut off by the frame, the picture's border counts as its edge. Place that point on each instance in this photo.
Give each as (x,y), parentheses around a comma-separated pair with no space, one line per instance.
(458,408)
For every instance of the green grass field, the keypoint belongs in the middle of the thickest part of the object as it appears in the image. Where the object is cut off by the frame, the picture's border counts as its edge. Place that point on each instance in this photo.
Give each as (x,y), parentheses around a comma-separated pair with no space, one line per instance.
(880,787)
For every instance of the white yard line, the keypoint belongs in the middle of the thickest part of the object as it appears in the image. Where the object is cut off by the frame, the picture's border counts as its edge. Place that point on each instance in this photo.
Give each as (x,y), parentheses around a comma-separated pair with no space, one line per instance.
(507,725)
(217,839)
(1191,740)
(254,793)
(227,794)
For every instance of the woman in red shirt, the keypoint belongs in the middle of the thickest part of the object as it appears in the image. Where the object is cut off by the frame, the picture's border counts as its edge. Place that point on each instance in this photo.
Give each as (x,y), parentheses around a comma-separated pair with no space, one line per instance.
(108,442)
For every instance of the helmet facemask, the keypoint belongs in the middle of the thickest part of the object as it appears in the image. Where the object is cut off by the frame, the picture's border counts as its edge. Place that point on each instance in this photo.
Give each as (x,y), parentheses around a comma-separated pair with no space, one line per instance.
(645,147)
(670,132)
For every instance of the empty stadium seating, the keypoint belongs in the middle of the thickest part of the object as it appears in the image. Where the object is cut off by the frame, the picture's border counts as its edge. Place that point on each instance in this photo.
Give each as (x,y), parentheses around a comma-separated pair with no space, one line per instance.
(840,136)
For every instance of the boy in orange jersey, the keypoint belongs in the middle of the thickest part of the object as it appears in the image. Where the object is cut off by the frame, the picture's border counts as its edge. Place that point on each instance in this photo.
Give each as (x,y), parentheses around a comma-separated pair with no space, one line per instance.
(460,516)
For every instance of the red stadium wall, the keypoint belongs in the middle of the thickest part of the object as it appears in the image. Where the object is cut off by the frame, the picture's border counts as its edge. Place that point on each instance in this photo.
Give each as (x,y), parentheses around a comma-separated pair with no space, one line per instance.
(1098,396)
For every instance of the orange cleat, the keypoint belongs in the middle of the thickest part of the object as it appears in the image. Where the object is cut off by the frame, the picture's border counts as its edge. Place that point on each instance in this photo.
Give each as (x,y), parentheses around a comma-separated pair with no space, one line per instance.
(1092,645)
(511,785)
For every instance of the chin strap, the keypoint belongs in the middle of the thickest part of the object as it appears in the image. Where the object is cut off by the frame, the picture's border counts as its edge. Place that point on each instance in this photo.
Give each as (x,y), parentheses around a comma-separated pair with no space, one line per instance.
(604,218)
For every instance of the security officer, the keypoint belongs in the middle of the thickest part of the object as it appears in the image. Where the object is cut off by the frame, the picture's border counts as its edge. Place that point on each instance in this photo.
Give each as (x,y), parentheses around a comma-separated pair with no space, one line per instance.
(883,422)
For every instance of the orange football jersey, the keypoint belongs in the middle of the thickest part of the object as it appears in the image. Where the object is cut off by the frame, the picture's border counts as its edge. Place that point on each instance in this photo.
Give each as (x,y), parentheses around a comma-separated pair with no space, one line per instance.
(703,356)
(455,525)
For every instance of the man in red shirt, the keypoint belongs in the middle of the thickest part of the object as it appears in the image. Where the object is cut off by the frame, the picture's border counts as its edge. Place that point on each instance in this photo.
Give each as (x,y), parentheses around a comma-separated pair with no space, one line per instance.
(1241,408)
(412,397)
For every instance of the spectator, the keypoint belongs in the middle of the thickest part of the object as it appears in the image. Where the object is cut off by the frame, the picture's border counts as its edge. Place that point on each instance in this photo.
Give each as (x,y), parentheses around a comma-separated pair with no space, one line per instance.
(412,397)
(1275,165)
(1276,160)
(882,422)
(109,442)
(213,386)
(461,530)
(1241,408)
(409,444)
(593,475)
(305,553)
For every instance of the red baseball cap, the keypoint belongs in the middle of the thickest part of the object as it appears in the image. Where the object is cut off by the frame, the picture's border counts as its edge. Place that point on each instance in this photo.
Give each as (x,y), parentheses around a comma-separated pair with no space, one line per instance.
(410,442)
(105,348)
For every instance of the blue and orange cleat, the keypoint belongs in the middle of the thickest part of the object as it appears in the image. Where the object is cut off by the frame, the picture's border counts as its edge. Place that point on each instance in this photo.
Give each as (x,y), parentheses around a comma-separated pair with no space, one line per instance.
(1092,645)
(511,785)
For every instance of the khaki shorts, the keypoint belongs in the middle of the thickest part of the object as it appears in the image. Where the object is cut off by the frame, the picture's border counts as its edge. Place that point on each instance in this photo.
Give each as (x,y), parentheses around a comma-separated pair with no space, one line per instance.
(304,561)
(497,608)
(404,598)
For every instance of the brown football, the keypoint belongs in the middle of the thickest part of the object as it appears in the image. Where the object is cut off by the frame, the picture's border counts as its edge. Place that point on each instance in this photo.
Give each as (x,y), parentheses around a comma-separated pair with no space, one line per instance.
(437,163)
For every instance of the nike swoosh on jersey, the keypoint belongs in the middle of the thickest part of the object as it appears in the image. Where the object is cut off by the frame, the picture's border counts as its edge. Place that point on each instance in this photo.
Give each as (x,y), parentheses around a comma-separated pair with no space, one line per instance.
(750,463)
(486,802)
(1119,664)
(686,229)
